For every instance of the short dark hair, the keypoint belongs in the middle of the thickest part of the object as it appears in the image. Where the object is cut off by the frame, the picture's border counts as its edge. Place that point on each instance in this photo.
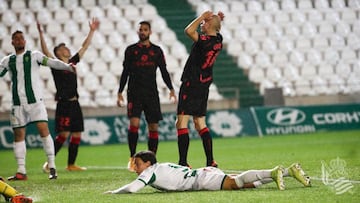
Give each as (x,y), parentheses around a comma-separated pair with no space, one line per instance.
(57,47)
(146,156)
(16,32)
(145,22)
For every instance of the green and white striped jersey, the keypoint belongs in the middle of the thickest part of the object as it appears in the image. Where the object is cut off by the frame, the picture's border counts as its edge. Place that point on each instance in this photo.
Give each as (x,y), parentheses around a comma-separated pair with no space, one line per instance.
(25,77)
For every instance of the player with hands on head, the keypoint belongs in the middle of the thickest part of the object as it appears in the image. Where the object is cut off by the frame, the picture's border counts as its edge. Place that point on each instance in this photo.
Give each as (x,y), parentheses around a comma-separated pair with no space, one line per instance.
(68,116)
(27,100)
(173,177)
(140,65)
(196,80)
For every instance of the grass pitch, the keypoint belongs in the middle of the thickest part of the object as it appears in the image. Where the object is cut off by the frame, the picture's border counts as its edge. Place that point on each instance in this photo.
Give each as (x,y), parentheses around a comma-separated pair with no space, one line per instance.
(339,152)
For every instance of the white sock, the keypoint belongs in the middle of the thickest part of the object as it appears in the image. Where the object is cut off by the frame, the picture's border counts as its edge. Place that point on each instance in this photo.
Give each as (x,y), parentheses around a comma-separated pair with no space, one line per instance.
(253,175)
(20,154)
(286,172)
(48,145)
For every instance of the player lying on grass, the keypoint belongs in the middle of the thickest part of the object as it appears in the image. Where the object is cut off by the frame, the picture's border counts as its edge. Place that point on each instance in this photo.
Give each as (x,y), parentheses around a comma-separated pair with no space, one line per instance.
(12,195)
(173,177)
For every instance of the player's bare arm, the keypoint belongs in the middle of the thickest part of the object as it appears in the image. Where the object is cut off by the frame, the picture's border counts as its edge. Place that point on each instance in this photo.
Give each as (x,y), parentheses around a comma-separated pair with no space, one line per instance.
(172,96)
(94,25)
(44,47)
(120,100)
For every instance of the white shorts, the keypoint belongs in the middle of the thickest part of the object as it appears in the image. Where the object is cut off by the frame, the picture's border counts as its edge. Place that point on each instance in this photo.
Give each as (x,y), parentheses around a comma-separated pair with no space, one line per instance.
(210,178)
(24,114)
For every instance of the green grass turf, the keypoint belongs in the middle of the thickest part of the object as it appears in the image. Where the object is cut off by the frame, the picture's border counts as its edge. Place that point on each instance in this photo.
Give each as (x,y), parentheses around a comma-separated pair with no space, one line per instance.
(107,170)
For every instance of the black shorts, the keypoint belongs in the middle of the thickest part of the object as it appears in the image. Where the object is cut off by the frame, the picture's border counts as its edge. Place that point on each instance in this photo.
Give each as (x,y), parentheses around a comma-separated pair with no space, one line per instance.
(150,106)
(69,117)
(193,99)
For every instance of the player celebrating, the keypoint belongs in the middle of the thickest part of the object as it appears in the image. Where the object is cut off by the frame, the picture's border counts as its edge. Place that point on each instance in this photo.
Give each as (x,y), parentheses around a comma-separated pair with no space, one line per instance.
(196,80)
(173,177)
(28,105)
(68,117)
(140,64)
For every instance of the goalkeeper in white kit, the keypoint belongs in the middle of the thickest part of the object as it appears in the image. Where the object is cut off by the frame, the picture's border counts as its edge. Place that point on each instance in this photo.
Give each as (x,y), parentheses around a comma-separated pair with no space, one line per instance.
(173,177)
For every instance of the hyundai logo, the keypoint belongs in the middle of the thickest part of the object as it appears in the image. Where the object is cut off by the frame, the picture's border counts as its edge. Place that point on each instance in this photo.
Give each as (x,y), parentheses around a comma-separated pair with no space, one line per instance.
(286,116)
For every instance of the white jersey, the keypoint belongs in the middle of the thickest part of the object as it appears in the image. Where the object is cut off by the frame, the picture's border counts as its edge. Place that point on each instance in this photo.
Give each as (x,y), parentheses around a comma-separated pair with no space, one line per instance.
(173,177)
(25,76)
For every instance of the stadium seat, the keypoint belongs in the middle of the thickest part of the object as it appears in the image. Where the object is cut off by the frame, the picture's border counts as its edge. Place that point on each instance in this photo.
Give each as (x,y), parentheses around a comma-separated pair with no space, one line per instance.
(52,6)
(262,60)
(82,69)
(88,4)
(234,48)
(305,5)
(18,6)
(105,3)
(241,33)
(326,70)
(109,81)
(148,11)
(85,98)
(320,86)
(314,16)
(271,5)
(337,41)
(254,5)
(353,83)
(10,17)
(3,31)
(50,84)
(292,31)
(251,46)
(62,15)
(303,43)
(269,45)
(288,5)
(6,45)
(99,67)
(131,12)
(342,28)
(96,12)
(71,28)
(91,55)
(326,29)
(265,19)
(36,5)
(116,41)
(303,87)
(348,55)
(296,58)
(275,32)
(107,27)
(331,17)
(3,6)
(113,13)
(237,7)
(257,74)
(201,7)
(313,56)
(103,98)
(6,100)
(290,72)
(321,4)
(107,53)
(281,18)
(274,74)
(286,45)
(355,4)
(98,40)
(53,29)
(248,19)
(178,50)
(343,70)
(298,17)
(244,60)
(353,41)
(331,56)
(287,88)
(308,30)
(338,4)
(91,82)
(258,32)
(279,58)
(320,42)
(266,84)
(79,15)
